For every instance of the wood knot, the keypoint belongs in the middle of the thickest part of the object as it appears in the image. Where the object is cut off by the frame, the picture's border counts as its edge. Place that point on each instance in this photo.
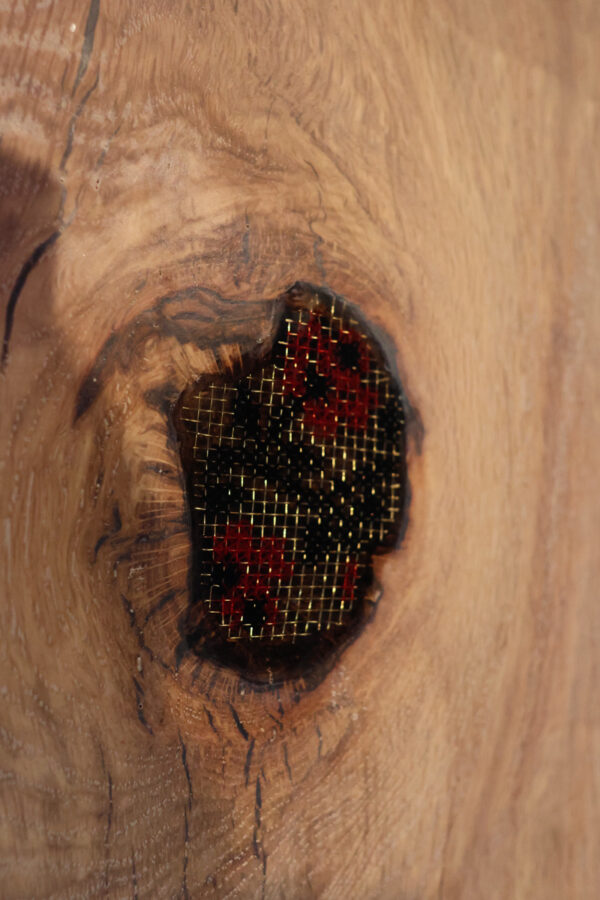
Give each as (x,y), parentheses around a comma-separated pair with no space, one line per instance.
(294,457)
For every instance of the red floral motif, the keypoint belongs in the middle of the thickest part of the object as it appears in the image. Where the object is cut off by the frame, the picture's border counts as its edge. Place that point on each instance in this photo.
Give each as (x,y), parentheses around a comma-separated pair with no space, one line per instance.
(346,401)
(259,561)
(349,582)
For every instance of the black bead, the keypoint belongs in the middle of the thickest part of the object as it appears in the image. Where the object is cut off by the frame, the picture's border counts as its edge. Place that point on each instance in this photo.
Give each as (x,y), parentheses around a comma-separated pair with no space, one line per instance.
(317,386)
(246,414)
(349,355)
(254,614)
(225,575)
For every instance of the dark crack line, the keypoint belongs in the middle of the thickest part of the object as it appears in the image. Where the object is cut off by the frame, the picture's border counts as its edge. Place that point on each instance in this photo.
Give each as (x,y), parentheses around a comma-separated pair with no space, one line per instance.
(166,598)
(73,123)
(287,763)
(248,762)
(238,722)
(187,772)
(259,850)
(26,269)
(116,527)
(88,42)
(139,703)
(41,249)
(140,634)
(211,721)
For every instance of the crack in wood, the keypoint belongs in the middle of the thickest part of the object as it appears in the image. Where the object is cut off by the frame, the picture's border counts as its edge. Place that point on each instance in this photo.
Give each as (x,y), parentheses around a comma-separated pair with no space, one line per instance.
(187,771)
(88,43)
(26,269)
(73,123)
(238,722)
(139,702)
(248,762)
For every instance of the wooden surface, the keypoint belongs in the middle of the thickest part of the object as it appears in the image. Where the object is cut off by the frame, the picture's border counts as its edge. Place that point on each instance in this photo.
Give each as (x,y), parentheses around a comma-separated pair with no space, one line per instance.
(165,170)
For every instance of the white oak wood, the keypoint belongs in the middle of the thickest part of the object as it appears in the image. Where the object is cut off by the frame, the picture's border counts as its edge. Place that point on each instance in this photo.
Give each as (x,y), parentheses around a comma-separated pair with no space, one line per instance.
(436,163)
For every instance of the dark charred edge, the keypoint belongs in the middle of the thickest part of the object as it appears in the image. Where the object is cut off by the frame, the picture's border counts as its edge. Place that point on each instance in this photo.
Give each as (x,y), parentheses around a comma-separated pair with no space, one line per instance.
(92,387)
(305,679)
(118,346)
(88,42)
(92,383)
(162,398)
(166,598)
(117,525)
(248,762)
(172,443)
(414,426)
(186,853)
(139,702)
(287,763)
(26,269)
(73,123)
(323,649)
(134,876)
(211,721)
(238,722)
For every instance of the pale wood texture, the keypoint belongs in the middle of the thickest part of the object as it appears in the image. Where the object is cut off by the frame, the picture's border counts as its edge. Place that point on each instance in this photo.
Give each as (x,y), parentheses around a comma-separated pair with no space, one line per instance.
(437,163)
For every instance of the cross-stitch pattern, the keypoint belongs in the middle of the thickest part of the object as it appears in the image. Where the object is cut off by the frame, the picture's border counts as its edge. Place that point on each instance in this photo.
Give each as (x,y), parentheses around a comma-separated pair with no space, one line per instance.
(296,477)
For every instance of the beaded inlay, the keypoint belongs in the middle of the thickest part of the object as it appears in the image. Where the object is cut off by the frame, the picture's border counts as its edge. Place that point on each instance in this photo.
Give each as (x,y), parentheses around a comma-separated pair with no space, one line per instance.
(296,476)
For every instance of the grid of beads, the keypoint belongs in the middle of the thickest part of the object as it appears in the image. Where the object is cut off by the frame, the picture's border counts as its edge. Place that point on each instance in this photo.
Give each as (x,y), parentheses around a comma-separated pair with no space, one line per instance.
(297,479)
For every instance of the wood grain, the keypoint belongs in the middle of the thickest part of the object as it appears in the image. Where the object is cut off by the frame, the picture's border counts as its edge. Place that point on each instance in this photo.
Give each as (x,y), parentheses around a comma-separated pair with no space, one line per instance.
(166,169)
